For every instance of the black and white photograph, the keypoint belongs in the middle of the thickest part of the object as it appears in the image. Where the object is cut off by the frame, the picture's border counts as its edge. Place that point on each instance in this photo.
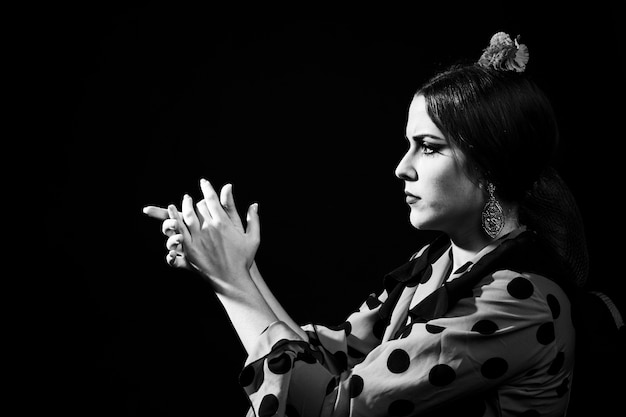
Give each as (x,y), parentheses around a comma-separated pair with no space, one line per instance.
(307,211)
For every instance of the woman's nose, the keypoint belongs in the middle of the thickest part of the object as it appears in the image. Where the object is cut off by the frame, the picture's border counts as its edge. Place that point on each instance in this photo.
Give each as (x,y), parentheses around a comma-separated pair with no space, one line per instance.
(405,169)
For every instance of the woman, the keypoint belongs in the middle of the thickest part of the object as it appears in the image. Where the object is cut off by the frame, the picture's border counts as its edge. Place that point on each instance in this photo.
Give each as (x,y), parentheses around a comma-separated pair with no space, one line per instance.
(477,322)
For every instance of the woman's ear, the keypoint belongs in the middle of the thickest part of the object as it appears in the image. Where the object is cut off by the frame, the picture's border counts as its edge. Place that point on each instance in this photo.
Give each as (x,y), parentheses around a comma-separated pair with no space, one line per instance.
(479,177)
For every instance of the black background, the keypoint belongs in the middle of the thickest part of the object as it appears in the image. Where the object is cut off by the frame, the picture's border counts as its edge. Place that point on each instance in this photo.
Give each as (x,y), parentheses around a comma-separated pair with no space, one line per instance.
(303,111)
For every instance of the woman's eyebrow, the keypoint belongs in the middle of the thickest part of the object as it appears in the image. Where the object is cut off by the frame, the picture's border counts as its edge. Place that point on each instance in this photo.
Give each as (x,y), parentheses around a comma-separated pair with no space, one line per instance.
(427,135)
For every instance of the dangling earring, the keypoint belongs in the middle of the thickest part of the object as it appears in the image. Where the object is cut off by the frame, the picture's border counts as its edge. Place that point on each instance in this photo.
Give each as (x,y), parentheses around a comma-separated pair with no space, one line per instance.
(492,215)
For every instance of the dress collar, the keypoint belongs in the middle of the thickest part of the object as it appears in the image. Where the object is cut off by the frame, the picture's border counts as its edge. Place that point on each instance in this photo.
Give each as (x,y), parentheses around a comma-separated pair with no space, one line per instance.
(520,250)
(413,269)
(467,266)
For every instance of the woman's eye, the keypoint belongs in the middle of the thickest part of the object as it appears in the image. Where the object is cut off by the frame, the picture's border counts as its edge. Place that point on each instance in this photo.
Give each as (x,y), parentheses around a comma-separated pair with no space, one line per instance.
(429,149)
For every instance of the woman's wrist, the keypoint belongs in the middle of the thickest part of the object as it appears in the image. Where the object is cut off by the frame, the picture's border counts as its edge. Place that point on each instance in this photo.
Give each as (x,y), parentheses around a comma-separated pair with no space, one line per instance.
(233,282)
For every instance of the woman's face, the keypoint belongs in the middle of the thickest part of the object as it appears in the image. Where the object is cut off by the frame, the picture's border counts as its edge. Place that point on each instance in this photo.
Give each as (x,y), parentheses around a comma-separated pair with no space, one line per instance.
(439,192)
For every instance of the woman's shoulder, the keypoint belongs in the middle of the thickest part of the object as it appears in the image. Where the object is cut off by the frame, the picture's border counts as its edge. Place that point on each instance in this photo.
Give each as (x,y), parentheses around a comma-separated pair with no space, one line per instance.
(525,289)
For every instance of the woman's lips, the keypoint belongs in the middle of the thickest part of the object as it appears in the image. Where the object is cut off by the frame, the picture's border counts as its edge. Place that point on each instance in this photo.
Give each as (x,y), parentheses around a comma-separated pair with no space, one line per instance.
(410,198)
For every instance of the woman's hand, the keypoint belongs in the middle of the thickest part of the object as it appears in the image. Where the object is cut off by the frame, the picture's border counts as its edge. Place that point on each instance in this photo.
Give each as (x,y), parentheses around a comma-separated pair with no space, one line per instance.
(213,242)
(211,238)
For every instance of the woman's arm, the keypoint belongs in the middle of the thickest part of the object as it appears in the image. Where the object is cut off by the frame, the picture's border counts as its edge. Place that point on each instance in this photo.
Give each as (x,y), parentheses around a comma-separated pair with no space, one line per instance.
(273,303)
(246,308)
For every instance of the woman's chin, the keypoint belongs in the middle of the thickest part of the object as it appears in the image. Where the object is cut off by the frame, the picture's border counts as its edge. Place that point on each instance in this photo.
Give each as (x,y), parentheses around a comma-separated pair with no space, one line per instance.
(418,221)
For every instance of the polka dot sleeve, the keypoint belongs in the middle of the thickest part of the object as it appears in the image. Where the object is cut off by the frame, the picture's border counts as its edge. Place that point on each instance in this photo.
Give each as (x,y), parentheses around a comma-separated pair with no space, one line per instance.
(505,334)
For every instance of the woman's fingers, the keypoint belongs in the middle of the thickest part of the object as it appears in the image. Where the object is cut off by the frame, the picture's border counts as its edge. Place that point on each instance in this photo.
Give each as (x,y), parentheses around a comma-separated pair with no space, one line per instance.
(253,229)
(202,212)
(189,215)
(176,260)
(204,209)
(228,202)
(183,228)
(177,219)
(156,212)
(176,256)
(212,201)
(169,227)
(174,242)
(226,189)
(162,213)
(170,258)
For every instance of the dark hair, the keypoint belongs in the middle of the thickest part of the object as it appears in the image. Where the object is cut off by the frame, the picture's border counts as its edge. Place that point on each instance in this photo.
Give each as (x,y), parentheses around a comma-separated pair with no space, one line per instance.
(500,120)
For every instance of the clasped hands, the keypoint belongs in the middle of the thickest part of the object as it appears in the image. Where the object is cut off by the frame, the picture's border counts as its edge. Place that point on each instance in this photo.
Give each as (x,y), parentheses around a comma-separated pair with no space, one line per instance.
(211,237)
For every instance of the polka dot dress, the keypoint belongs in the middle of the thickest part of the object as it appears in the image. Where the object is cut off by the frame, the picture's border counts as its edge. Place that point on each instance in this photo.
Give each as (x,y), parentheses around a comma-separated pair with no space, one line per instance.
(502,346)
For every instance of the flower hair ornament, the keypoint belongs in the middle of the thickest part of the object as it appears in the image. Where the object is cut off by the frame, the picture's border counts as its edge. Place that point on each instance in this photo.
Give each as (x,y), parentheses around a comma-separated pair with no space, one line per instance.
(505,54)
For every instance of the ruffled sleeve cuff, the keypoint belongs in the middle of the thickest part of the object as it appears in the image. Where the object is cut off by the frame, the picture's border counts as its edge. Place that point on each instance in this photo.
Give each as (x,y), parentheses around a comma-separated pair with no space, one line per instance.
(276,332)
(285,373)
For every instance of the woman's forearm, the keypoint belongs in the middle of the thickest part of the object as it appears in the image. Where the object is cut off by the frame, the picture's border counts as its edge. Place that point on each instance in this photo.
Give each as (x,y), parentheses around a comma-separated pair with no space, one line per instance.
(273,303)
(247,309)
